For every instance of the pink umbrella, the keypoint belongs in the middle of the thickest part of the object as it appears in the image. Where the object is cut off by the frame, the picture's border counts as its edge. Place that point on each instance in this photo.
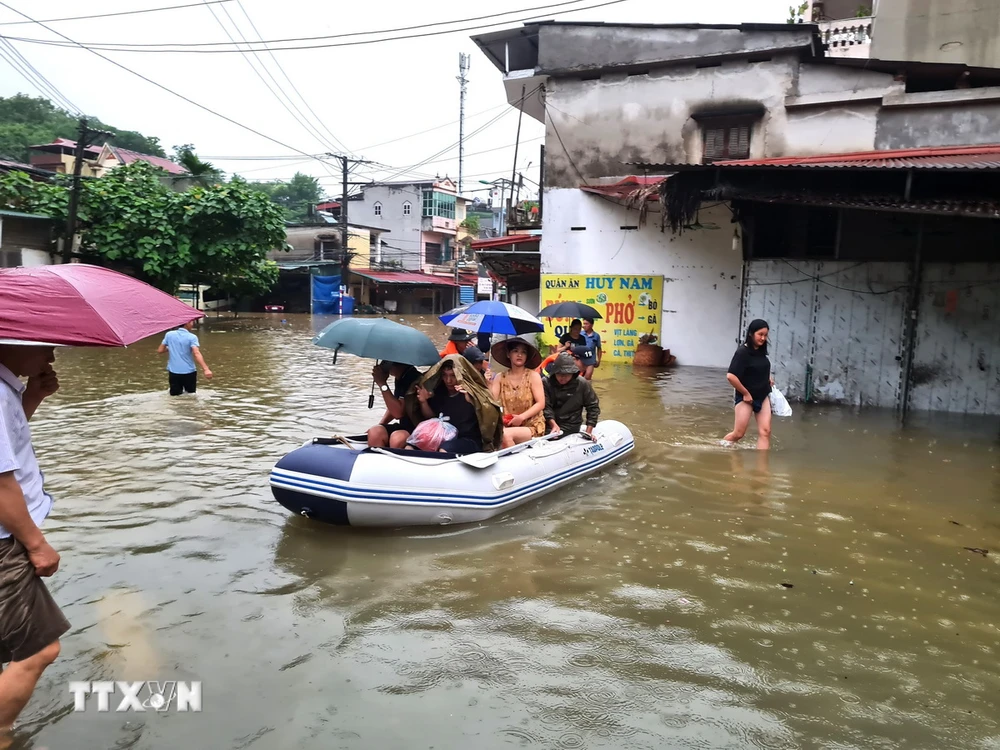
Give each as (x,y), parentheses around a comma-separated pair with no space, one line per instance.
(76,304)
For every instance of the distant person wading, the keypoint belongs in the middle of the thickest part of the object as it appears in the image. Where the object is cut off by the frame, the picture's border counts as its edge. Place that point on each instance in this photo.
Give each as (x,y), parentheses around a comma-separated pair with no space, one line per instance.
(183,352)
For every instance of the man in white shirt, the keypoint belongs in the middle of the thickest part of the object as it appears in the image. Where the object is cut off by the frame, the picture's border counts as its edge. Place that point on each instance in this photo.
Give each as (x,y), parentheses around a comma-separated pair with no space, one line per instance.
(31,623)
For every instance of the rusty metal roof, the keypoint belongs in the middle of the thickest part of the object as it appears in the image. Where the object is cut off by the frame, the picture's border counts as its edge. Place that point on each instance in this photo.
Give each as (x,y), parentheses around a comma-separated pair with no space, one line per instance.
(510,239)
(625,187)
(950,157)
(955,158)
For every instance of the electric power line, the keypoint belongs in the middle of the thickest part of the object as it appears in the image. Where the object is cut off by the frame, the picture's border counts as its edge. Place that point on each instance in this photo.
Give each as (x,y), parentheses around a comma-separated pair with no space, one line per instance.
(165,88)
(335,36)
(300,119)
(295,88)
(288,157)
(179,49)
(448,148)
(445,150)
(119,13)
(21,64)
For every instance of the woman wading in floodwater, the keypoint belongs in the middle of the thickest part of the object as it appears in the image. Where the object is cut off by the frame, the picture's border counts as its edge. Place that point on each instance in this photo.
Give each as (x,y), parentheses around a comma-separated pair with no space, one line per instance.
(750,374)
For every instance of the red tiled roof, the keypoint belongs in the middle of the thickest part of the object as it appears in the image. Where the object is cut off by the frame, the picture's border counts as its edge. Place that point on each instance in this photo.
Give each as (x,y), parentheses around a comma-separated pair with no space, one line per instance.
(64,143)
(948,157)
(126,156)
(513,239)
(327,205)
(624,187)
(405,277)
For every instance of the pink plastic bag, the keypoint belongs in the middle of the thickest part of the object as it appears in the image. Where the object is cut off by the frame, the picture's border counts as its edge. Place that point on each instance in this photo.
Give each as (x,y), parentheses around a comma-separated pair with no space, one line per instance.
(429,434)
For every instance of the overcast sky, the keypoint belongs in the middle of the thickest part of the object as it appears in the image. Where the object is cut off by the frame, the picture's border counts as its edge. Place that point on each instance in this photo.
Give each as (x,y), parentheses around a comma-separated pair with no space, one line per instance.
(363,95)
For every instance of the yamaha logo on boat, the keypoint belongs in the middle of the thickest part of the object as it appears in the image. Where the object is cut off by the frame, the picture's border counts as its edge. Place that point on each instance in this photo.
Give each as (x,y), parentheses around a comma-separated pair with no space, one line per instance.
(597,448)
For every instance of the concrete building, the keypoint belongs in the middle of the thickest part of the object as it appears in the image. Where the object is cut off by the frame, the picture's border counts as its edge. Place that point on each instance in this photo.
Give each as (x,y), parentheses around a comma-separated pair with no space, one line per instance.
(626,105)
(25,239)
(932,31)
(423,218)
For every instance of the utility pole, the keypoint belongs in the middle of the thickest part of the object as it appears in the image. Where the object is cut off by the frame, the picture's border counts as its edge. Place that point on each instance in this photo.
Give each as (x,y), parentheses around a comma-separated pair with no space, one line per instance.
(517,143)
(83,132)
(343,210)
(344,229)
(464,63)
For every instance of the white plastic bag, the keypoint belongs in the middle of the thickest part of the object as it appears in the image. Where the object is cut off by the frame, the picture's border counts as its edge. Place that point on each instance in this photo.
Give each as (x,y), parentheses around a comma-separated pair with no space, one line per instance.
(779,404)
(429,434)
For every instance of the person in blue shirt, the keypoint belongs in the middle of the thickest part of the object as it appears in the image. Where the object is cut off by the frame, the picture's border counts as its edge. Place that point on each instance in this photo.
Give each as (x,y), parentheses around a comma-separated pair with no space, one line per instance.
(594,344)
(183,359)
(582,346)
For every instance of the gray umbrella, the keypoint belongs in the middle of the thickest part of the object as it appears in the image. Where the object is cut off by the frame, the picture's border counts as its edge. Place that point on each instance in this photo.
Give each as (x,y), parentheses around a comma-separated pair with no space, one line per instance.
(378,338)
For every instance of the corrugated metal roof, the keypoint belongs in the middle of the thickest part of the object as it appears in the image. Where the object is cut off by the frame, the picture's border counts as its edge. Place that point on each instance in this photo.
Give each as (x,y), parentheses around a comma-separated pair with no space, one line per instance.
(127,156)
(511,239)
(405,277)
(957,158)
(625,187)
(952,157)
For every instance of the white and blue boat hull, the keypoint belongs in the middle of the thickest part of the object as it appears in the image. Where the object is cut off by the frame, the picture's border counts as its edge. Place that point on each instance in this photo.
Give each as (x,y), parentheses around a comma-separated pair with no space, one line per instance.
(346,483)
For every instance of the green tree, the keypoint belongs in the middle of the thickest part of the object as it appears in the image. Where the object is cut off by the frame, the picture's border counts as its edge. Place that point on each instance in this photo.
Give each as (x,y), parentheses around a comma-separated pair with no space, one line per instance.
(129,219)
(27,121)
(199,172)
(471,225)
(294,196)
(797,14)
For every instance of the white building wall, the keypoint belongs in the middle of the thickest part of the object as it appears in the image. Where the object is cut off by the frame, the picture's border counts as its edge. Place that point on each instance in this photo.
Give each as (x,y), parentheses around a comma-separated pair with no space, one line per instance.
(527,300)
(702,272)
(403,241)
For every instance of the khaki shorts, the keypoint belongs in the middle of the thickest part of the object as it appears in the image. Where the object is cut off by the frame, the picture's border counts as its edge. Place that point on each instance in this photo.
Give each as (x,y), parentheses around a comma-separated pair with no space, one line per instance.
(30,619)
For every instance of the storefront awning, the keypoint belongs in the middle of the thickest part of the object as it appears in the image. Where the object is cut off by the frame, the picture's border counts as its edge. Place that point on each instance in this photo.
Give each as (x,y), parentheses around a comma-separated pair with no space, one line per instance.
(511,239)
(411,278)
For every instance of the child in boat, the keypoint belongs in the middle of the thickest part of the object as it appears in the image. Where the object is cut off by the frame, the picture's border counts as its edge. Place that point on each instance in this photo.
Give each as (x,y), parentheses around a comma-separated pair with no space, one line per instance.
(454,388)
(567,395)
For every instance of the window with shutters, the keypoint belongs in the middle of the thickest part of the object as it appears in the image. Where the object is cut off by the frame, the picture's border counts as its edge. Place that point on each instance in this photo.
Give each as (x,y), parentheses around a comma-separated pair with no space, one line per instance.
(726,139)
(433,254)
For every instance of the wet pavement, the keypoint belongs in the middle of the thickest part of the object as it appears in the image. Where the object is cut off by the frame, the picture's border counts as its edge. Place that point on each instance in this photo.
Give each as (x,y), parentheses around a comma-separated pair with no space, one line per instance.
(816,596)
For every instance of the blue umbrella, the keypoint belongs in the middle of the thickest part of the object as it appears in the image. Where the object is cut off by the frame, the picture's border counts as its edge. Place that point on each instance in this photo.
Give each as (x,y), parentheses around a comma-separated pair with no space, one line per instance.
(378,338)
(490,316)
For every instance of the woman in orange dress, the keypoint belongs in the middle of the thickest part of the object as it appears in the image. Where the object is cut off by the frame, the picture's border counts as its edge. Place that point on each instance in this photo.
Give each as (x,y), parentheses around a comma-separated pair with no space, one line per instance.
(519,390)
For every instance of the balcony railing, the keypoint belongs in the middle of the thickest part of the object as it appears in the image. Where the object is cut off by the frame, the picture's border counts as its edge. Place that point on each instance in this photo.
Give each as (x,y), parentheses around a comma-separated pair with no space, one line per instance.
(849,37)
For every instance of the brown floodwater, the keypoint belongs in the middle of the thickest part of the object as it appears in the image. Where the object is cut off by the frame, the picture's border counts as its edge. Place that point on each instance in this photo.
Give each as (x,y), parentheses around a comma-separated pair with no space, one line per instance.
(816,596)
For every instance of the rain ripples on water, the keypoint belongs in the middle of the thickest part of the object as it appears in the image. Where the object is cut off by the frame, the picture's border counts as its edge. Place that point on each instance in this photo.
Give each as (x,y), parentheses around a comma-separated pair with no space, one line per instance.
(692,597)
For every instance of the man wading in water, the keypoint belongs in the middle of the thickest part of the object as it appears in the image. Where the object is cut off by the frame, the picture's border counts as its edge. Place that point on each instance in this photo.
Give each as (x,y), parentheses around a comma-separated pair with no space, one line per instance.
(31,623)
(183,351)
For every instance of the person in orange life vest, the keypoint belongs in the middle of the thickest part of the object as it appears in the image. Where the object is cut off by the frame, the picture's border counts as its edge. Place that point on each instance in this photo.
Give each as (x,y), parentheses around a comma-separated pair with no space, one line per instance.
(457,341)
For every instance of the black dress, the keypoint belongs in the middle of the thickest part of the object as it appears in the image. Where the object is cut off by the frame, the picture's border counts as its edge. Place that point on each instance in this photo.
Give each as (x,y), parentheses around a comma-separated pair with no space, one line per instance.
(753,369)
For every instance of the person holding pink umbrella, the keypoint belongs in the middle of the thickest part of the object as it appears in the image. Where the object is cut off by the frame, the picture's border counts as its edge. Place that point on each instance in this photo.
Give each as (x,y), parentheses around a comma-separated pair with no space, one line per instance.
(41,308)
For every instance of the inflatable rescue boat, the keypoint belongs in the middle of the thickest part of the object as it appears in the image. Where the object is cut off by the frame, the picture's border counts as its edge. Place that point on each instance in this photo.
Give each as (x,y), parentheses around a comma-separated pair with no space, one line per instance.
(343,481)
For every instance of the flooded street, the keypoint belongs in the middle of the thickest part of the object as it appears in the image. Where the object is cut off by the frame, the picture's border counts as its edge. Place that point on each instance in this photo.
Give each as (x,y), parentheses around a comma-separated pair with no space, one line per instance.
(819,596)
